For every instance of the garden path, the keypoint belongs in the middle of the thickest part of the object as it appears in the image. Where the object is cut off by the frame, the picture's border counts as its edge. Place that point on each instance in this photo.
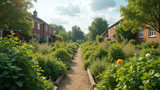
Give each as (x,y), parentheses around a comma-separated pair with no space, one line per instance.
(76,78)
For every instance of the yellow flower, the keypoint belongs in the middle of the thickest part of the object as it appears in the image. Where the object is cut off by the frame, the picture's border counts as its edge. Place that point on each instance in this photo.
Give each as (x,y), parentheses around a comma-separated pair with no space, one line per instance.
(34,39)
(152,46)
(119,61)
(121,47)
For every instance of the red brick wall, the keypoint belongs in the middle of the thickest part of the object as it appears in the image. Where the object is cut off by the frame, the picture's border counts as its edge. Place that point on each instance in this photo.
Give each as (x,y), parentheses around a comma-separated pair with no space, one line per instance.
(147,38)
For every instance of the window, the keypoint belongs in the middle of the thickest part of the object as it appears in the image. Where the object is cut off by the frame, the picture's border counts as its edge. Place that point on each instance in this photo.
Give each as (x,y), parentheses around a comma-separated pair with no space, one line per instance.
(140,33)
(33,24)
(46,28)
(0,32)
(38,37)
(50,30)
(38,26)
(152,32)
(47,38)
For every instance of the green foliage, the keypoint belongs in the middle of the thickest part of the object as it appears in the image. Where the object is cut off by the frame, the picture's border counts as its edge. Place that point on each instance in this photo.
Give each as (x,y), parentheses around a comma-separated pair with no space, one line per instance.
(99,39)
(140,13)
(42,40)
(108,78)
(108,39)
(77,33)
(52,68)
(115,52)
(86,64)
(122,35)
(35,44)
(100,53)
(13,15)
(44,49)
(18,68)
(57,28)
(151,51)
(59,38)
(133,42)
(98,26)
(98,67)
(145,45)
(64,35)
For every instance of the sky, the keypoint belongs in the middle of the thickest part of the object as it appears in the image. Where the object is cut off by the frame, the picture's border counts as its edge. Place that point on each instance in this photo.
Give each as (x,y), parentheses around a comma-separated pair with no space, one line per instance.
(78,12)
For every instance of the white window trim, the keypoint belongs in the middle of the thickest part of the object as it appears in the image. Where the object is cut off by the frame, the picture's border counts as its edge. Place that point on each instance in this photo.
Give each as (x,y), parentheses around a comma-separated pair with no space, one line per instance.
(153,32)
(38,26)
(141,33)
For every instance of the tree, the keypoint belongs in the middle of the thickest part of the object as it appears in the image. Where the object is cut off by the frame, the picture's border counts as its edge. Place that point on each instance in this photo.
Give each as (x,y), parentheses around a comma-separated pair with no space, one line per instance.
(122,35)
(57,28)
(13,15)
(77,34)
(141,13)
(98,26)
(64,35)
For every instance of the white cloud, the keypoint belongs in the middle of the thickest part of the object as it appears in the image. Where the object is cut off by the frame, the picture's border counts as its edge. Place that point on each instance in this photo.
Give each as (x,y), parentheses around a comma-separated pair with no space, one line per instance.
(70,9)
(98,5)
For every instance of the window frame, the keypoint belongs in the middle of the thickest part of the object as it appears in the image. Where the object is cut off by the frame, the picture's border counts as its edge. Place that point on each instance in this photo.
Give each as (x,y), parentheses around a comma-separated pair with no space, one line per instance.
(46,28)
(152,32)
(38,25)
(140,33)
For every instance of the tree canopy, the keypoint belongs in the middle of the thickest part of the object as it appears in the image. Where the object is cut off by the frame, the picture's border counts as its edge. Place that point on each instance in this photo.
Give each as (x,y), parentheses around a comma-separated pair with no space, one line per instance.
(57,28)
(141,13)
(13,15)
(98,27)
(77,33)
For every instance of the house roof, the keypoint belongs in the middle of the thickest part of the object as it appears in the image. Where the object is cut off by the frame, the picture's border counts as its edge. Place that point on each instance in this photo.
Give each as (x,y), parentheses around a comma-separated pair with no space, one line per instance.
(39,20)
(115,23)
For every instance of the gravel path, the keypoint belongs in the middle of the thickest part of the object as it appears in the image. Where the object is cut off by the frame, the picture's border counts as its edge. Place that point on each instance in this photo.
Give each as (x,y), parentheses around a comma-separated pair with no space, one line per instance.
(76,78)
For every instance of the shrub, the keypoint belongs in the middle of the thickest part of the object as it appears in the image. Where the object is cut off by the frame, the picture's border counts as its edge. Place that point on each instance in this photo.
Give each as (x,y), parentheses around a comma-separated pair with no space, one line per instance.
(18,68)
(137,74)
(42,40)
(52,68)
(44,48)
(35,44)
(108,39)
(145,45)
(86,64)
(100,53)
(151,51)
(99,39)
(133,42)
(97,67)
(115,52)
(59,38)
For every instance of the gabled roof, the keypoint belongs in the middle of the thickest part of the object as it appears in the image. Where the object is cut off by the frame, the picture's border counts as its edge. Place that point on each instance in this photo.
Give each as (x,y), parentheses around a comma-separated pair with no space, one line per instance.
(115,23)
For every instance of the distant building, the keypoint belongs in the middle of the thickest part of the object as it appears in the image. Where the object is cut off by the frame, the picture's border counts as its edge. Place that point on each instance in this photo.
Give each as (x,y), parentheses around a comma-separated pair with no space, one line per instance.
(142,35)
(41,29)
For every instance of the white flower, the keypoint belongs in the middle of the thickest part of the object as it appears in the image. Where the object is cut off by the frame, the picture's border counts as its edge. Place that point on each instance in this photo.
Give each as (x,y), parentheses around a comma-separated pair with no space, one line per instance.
(148,55)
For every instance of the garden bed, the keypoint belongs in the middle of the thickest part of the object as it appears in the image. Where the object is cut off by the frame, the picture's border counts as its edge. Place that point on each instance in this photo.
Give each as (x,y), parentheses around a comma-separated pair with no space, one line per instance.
(92,79)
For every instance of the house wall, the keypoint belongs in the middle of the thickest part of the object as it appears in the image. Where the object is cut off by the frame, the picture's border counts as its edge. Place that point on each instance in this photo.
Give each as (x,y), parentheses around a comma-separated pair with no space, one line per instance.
(147,38)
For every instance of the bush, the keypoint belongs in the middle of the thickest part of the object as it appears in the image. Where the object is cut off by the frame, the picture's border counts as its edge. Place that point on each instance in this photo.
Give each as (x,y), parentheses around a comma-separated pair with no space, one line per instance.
(133,42)
(18,68)
(151,51)
(137,74)
(100,53)
(145,45)
(108,39)
(86,64)
(42,40)
(59,38)
(52,68)
(99,39)
(44,49)
(115,52)
(98,67)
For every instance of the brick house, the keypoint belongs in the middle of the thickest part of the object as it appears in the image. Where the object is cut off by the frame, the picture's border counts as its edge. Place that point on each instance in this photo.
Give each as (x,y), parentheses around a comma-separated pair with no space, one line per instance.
(41,29)
(142,35)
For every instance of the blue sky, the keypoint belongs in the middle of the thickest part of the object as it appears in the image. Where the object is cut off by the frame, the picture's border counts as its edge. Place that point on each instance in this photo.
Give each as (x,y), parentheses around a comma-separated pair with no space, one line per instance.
(78,12)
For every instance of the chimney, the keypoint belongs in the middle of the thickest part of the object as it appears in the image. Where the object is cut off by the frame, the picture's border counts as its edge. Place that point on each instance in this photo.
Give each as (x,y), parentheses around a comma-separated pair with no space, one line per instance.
(35,13)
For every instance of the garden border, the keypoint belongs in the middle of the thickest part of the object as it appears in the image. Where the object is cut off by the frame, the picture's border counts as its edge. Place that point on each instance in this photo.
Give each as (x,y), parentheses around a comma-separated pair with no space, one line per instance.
(91,79)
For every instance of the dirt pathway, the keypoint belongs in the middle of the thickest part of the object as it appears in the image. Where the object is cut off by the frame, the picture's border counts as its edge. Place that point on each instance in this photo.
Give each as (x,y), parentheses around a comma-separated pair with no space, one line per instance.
(76,78)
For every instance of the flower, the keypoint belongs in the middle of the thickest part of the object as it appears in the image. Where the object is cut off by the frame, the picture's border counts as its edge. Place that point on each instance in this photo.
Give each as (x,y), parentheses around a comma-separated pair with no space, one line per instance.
(119,61)
(121,47)
(152,46)
(34,39)
(148,55)
(64,56)
(25,41)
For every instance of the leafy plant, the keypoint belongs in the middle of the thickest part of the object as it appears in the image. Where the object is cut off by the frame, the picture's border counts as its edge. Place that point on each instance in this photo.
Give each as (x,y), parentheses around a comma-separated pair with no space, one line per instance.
(18,68)
(133,42)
